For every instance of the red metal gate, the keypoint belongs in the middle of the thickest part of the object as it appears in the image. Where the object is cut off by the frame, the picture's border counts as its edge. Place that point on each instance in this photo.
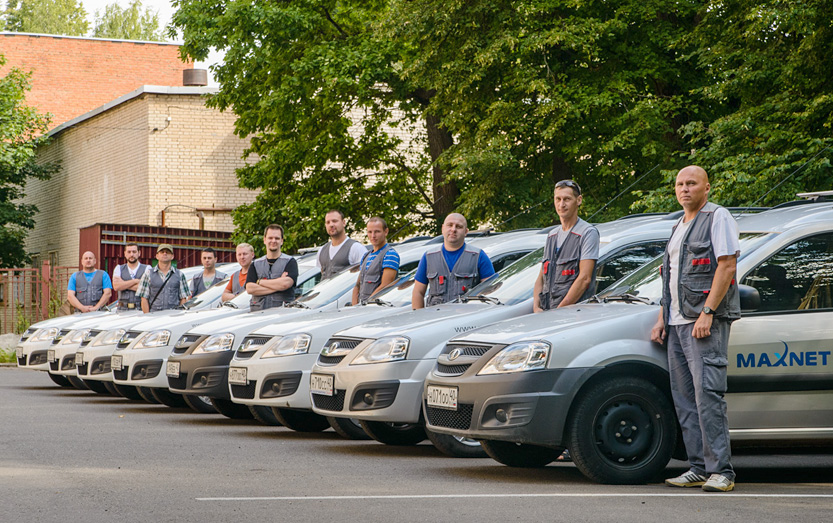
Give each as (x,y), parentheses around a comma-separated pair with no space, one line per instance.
(31,295)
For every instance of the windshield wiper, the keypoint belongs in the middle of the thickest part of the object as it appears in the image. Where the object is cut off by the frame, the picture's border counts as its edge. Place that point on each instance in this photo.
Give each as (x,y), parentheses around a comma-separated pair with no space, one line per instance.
(481,297)
(230,304)
(296,304)
(628,297)
(379,301)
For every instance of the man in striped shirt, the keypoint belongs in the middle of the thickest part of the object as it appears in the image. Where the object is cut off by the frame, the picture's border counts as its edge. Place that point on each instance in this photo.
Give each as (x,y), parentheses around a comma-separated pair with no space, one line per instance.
(380,266)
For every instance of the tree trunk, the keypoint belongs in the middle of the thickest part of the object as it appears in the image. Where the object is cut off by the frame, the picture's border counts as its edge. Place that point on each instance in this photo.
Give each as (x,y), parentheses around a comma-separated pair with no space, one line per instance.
(446,192)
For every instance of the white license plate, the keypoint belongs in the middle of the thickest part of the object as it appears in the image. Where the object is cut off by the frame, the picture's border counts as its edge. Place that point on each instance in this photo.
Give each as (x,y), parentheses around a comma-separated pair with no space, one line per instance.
(19,352)
(172,369)
(50,355)
(237,376)
(322,384)
(442,397)
(116,363)
(79,358)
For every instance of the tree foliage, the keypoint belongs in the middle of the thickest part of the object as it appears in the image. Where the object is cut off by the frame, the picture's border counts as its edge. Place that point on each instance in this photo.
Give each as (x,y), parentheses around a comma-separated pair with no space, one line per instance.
(57,17)
(129,23)
(21,131)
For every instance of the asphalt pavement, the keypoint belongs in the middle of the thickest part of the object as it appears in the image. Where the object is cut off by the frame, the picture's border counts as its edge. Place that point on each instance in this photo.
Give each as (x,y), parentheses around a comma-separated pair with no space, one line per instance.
(69,455)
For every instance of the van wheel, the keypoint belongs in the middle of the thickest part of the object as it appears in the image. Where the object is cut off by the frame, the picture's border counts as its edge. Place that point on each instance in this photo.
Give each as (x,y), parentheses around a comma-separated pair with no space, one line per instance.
(145,393)
(231,409)
(347,428)
(456,447)
(301,420)
(623,431)
(399,434)
(166,397)
(128,391)
(264,415)
(59,380)
(96,386)
(520,454)
(77,382)
(201,404)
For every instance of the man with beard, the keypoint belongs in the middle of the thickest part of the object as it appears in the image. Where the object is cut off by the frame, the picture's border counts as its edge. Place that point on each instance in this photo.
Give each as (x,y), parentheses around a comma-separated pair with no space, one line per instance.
(126,278)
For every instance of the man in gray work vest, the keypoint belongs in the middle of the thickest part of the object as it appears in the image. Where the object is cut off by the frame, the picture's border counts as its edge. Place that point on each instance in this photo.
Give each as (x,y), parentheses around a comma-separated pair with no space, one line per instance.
(380,265)
(271,279)
(446,272)
(209,274)
(341,251)
(567,274)
(126,278)
(89,289)
(163,287)
(699,302)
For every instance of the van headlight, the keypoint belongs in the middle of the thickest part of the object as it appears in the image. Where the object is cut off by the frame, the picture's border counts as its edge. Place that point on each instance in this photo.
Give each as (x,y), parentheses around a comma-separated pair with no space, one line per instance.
(75,337)
(518,357)
(110,338)
(154,339)
(287,346)
(383,350)
(215,343)
(45,334)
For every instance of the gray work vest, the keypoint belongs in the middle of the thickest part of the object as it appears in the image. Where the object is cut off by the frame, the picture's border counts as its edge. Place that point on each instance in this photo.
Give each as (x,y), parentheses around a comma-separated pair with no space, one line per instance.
(340,261)
(371,278)
(89,293)
(197,285)
(561,267)
(236,288)
(128,298)
(446,285)
(169,297)
(264,272)
(698,265)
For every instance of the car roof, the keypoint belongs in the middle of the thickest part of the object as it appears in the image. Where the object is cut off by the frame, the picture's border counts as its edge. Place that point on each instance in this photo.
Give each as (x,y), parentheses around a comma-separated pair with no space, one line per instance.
(784,218)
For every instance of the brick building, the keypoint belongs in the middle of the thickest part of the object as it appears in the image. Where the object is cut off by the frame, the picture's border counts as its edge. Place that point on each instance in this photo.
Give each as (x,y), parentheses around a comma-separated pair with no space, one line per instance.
(73,75)
(157,153)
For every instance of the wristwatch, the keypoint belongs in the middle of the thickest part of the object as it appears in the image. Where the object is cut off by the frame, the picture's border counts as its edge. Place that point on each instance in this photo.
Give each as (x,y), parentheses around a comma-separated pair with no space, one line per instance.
(708,310)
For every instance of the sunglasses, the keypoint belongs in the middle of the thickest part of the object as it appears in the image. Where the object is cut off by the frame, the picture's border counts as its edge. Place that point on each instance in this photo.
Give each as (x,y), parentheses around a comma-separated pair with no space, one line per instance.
(568,183)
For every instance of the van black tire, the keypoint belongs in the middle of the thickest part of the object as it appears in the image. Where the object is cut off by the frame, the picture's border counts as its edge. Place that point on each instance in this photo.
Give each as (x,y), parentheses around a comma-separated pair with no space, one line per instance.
(622,431)
(171,399)
(301,420)
(201,404)
(456,447)
(59,380)
(348,428)
(264,415)
(397,434)
(97,387)
(231,409)
(128,391)
(520,455)
(77,382)
(146,394)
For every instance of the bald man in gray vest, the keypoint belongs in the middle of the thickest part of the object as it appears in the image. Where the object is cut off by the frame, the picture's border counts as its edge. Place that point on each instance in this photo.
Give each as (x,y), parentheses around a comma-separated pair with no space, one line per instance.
(89,289)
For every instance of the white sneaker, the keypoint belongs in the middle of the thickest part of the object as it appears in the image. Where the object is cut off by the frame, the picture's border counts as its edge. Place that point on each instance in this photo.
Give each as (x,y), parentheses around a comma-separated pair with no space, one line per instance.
(718,483)
(688,479)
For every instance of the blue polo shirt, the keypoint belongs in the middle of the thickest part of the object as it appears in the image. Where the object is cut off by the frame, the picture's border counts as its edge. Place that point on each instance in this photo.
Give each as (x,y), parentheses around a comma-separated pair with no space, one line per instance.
(484,264)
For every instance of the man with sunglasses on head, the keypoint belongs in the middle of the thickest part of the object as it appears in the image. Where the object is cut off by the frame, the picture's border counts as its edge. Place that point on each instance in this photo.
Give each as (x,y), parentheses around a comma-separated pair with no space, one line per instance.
(567,273)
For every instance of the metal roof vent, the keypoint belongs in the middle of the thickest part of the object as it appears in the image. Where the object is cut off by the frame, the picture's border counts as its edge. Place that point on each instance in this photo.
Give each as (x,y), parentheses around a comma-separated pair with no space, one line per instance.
(194,77)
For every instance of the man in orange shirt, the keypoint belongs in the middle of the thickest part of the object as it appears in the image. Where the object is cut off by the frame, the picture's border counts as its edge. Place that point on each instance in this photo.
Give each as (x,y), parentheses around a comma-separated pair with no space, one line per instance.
(237,282)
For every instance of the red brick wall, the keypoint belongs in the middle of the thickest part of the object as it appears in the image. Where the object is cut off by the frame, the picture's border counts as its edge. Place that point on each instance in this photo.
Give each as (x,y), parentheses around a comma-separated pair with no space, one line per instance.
(71,76)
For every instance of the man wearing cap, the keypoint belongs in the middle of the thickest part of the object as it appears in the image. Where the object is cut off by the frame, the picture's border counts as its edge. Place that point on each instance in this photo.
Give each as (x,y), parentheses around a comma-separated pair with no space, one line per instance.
(380,266)
(341,251)
(209,274)
(271,279)
(567,274)
(164,286)
(448,271)
(126,278)
(245,254)
(89,289)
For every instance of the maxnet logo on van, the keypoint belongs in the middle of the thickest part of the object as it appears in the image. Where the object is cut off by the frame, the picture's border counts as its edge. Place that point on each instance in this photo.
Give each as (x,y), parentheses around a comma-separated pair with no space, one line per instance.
(810,358)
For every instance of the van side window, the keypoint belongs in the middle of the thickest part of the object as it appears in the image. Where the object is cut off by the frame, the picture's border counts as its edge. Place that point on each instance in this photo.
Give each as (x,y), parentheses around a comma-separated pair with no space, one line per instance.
(799,277)
(626,261)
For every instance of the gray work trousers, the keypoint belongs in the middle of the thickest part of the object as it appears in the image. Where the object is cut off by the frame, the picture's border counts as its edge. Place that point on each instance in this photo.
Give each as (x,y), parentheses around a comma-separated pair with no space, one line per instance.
(698,384)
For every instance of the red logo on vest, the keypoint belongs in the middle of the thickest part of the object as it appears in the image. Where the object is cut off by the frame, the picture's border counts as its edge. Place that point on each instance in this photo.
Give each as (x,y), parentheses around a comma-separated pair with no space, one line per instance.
(546,266)
(441,279)
(701,261)
(568,272)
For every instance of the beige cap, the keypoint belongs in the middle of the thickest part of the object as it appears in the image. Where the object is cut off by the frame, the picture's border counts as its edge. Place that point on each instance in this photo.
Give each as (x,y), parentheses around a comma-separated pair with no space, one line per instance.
(163,246)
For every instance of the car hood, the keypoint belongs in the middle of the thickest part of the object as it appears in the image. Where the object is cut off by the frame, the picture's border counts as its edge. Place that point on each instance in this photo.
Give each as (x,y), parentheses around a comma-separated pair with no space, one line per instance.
(249,321)
(588,319)
(309,322)
(185,318)
(413,321)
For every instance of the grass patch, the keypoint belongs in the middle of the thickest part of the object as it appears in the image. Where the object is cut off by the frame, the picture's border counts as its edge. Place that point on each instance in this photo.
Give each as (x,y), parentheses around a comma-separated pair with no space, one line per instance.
(7,356)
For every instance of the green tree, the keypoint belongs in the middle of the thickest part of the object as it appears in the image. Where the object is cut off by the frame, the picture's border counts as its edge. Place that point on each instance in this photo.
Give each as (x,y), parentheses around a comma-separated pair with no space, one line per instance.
(771,84)
(22,129)
(129,23)
(57,17)
(315,86)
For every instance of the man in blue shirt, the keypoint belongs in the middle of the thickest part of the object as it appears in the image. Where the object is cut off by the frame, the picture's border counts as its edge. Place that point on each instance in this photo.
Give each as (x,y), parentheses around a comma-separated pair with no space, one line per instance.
(376,273)
(448,271)
(89,289)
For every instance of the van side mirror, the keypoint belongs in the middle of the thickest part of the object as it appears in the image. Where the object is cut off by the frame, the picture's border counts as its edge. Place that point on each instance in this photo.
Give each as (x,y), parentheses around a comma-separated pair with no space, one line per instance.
(750,298)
